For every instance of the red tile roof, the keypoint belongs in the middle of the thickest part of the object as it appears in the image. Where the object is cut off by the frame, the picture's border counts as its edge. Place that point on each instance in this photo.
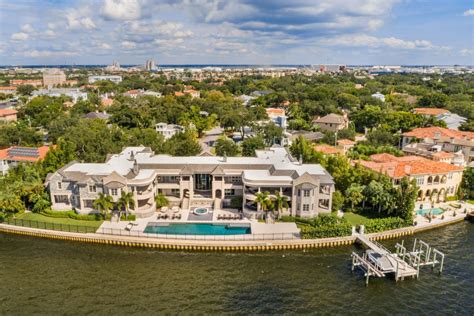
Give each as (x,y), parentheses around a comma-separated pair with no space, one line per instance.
(346,142)
(429,111)
(399,167)
(433,132)
(275,111)
(12,153)
(443,154)
(7,112)
(327,149)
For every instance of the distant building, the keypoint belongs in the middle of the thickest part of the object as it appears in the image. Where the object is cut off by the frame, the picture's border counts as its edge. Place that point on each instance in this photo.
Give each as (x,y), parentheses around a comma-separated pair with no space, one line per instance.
(53,77)
(332,122)
(428,140)
(327,149)
(134,93)
(345,145)
(452,120)
(428,112)
(193,93)
(8,90)
(106,102)
(8,115)
(22,82)
(74,94)
(168,130)
(332,68)
(261,93)
(435,180)
(277,116)
(150,65)
(10,157)
(114,79)
(114,67)
(379,96)
(97,115)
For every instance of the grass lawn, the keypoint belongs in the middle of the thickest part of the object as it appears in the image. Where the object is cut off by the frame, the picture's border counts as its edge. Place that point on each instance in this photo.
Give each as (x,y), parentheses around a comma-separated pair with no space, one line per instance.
(68,224)
(470,201)
(355,219)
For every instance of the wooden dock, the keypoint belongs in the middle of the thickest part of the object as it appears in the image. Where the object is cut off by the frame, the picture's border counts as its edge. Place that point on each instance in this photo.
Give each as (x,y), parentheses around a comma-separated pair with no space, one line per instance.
(378,261)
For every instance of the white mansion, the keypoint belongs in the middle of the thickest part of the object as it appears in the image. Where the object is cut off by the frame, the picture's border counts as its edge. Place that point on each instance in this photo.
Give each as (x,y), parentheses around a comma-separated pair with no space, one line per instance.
(189,182)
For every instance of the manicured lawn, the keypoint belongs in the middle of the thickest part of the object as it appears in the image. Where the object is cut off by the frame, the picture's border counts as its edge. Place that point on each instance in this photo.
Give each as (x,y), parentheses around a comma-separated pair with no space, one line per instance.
(355,219)
(470,201)
(64,224)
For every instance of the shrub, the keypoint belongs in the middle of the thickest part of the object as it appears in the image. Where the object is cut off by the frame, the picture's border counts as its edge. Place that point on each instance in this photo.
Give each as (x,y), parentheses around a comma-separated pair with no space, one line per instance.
(376,225)
(451,198)
(71,214)
(323,226)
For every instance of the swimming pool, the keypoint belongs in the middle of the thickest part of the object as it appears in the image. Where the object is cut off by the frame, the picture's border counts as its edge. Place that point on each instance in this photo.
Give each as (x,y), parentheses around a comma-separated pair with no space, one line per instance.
(434,211)
(197,229)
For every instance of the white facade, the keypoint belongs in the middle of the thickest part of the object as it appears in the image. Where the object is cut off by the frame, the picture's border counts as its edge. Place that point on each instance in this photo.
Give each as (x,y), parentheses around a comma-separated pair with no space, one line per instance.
(168,130)
(74,94)
(114,79)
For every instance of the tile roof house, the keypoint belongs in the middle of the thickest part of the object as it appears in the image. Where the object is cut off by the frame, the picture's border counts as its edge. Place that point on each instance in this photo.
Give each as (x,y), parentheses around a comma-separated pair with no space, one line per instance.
(8,115)
(332,122)
(327,149)
(345,145)
(422,141)
(10,157)
(429,111)
(434,179)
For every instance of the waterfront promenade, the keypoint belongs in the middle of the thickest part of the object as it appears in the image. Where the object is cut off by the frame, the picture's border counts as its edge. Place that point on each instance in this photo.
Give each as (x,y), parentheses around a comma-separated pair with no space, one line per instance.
(223,245)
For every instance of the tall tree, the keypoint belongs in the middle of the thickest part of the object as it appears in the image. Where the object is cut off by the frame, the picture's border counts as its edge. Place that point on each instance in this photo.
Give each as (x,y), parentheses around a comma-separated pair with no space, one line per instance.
(103,204)
(125,202)
(354,194)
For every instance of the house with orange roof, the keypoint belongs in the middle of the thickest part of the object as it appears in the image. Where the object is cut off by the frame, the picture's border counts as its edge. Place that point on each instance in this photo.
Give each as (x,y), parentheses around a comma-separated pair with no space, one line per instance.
(345,145)
(327,149)
(429,111)
(10,157)
(193,93)
(429,140)
(8,90)
(106,102)
(277,116)
(8,115)
(436,180)
(23,82)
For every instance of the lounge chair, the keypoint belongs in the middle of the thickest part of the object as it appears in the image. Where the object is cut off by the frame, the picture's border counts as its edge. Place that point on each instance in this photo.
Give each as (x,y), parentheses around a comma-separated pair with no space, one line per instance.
(129,227)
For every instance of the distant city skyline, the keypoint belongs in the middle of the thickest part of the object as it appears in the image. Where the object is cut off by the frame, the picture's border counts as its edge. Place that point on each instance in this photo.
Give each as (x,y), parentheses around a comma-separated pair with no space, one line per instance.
(357,32)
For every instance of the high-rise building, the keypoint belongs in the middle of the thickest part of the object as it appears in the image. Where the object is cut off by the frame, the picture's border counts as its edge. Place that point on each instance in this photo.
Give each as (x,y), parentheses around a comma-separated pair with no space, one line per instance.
(53,77)
(150,65)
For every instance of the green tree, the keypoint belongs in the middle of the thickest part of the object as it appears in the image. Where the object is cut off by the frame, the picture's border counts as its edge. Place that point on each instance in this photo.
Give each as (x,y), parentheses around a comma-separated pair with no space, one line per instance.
(280,202)
(125,202)
(197,119)
(226,147)
(264,202)
(337,200)
(161,200)
(25,89)
(103,204)
(405,197)
(182,144)
(251,144)
(354,194)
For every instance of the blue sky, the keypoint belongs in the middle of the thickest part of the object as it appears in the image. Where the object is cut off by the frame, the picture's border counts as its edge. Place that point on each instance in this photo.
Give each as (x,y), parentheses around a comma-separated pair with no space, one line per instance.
(237,31)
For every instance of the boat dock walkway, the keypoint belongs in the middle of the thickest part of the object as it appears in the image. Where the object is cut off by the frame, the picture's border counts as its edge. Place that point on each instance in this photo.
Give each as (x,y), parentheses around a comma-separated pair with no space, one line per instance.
(378,261)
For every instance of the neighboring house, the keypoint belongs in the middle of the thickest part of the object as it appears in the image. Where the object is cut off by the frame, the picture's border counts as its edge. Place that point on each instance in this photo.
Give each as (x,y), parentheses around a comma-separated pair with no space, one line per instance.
(8,90)
(193,93)
(10,157)
(379,96)
(112,78)
(429,112)
(134,93)
(106,102)
(435,180)
(332,122)
(24,82)
(277,116)
(310,136)
(8,115)
(345,145)
(97,115)
(74,94)
(452,120)
(168,130)
(152,93)
(190,182)
(424,141)
(245,99)
(261,93)
(327,149)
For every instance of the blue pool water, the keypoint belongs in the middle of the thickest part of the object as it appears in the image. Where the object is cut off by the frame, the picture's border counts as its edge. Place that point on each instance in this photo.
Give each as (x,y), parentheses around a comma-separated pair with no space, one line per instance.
(196,229)
(434,211)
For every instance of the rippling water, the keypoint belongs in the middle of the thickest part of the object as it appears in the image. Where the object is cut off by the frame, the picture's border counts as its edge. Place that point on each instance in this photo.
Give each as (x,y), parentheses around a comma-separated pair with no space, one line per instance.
(41,276)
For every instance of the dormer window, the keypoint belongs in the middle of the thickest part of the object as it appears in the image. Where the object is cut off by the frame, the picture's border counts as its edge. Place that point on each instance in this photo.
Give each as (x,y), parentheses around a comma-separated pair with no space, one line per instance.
(113,192)
(60,185)
(92,189)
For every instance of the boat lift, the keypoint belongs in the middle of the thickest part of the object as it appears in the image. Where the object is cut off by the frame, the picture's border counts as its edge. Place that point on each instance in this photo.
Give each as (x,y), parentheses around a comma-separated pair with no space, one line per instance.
(421,255)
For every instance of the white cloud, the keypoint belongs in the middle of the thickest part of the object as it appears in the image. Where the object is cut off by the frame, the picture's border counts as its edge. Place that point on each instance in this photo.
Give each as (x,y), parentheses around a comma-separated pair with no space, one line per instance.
(51,26)
(124,10)
(469,12)
(46,53)
(49,33)
(466,52)
(363,40)
(105,46)
(76,21)
(20,36)
(128,45)
(27,28)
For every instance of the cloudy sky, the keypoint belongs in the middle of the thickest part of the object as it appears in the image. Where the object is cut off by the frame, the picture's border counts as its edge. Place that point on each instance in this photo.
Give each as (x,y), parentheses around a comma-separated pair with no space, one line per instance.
(237,31)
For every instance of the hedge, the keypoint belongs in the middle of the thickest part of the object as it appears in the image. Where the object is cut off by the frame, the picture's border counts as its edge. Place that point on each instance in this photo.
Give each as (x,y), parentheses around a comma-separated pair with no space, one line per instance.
(326,231)
(377,225)
(71,214)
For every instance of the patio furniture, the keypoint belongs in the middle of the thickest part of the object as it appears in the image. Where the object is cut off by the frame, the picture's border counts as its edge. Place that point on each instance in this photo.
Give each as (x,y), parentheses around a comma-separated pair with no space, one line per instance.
(175,209)
(129,227)
(158,217)
(178,216)
(164,209)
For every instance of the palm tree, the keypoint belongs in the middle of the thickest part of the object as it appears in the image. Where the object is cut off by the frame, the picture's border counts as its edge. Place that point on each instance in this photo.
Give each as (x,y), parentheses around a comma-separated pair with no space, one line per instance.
(126,201)
(161,200)
(263,201)
(354,194)
(103,204)
(280,202)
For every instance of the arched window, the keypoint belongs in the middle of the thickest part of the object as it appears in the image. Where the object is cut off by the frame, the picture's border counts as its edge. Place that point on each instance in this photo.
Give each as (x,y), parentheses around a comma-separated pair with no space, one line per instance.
(430,179)
(443,179)
(436,179)
(218,194)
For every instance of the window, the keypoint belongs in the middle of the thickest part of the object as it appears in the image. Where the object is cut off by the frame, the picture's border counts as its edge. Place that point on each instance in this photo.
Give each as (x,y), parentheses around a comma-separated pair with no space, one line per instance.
(299,192)
(61,199)
(306,193)
(92,189)
(113,191)
(235,179)
(185,178)
(175,192)
(420,180)
(60,185)
(229,192)
(450,175)
(217,178)
(305,207)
